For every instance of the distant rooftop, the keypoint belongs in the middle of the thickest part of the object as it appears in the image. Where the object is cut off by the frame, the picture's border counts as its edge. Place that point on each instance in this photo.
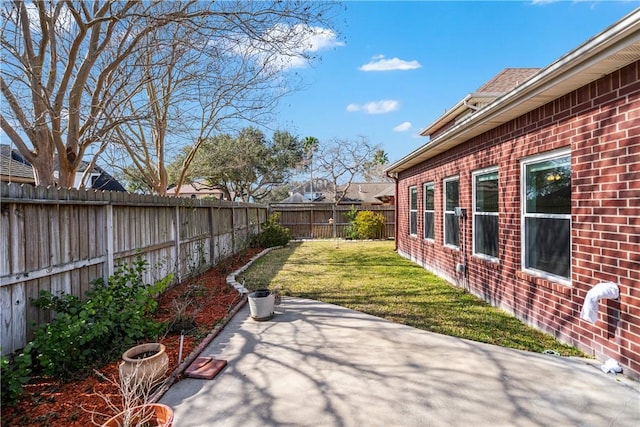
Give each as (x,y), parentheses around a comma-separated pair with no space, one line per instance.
(13,167)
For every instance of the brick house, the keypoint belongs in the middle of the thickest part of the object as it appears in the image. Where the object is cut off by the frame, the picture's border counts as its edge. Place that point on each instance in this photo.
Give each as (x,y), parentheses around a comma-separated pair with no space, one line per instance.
(527,193)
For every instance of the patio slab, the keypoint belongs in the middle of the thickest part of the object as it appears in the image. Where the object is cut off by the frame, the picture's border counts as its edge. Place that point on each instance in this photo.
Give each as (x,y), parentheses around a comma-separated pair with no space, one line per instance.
(316,364)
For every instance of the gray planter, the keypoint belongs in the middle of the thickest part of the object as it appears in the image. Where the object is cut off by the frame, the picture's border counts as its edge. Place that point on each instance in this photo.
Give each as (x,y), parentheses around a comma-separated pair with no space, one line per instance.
(261,304)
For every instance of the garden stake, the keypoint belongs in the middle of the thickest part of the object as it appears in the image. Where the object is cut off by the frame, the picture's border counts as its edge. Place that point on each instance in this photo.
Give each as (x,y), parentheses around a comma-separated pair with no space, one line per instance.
(180,351)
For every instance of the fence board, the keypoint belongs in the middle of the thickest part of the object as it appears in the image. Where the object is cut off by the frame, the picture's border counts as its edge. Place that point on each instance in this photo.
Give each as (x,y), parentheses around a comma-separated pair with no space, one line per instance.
(312,221)
(74,248)
(28,221)
(6,314)
(19,316)
(5,248)
(61,240)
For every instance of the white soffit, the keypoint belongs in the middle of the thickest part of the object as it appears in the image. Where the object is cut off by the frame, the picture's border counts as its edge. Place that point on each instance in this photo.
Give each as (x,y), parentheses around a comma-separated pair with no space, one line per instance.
(605,53)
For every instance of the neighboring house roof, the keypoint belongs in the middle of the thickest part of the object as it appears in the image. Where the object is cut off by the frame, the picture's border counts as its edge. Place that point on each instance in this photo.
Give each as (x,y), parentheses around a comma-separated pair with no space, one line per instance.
(367,193)
(99,178)
(321,189)
(612,49)
(104,181)
(387,194)
(196,189)
(295,198)
(13,168)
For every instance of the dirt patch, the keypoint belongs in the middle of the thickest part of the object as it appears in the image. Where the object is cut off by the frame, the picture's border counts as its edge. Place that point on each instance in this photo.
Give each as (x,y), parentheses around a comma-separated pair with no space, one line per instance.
(194,306)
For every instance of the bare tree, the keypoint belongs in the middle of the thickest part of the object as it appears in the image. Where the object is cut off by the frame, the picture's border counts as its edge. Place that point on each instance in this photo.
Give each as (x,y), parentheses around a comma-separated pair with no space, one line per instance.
(342,160)
(81,74)
(61,73)
(209,78)
(374,169)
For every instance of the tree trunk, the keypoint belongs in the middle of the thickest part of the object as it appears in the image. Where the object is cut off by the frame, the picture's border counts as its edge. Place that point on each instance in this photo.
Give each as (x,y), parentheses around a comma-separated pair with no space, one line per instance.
(43,171)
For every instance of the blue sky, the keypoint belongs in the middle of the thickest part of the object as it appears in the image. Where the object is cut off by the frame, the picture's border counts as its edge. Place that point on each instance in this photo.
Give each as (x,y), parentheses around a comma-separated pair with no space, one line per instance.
(445,50)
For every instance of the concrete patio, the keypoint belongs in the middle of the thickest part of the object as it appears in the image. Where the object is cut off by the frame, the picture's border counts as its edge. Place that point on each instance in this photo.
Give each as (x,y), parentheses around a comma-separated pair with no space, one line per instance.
(317,364)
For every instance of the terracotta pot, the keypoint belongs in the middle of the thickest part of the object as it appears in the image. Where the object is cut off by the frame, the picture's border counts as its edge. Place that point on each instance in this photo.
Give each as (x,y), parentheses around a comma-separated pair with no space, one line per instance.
(159,416)
(146,370)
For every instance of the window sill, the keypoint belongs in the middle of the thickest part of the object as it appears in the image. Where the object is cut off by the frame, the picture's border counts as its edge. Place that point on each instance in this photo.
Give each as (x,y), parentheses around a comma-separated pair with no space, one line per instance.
(492,263)
(452,248)
(562,288)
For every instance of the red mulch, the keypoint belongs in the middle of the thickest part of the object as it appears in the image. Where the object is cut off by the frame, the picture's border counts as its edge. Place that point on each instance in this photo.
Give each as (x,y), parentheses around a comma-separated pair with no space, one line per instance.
(48,402)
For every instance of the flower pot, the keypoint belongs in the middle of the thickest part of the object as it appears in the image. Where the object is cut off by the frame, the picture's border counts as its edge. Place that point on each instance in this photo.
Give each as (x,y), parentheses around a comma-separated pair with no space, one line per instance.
(145,364)
(151,414)
(261,304)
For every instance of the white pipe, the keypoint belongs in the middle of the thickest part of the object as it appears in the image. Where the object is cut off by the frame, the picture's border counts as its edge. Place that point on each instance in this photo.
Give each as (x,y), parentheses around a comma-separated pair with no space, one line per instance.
(180,352)
(604,290)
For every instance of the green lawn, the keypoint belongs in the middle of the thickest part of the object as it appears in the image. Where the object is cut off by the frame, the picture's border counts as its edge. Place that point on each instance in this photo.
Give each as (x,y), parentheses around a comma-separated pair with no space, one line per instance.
(371,277)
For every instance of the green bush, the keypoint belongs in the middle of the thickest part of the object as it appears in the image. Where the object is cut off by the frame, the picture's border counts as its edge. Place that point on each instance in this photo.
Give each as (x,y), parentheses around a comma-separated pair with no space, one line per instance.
(369,225)
(351,231)
(113,317)
(273,233)
(14,373)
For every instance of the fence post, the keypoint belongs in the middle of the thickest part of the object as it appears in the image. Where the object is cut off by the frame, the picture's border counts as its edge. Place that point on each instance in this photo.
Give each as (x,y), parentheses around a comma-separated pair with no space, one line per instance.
(233,229)
(311,220)
(212,245)
(176,222)
(110,242)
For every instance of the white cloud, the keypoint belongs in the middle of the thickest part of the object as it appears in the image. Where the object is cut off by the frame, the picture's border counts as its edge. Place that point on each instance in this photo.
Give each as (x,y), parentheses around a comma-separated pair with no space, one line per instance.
(375,107)
(402,127)
(379,63)
(303,40)
(322,38)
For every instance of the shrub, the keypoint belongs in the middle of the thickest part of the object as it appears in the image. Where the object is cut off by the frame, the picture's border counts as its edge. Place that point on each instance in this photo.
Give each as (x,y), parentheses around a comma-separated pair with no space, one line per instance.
(273,233)
(351,231)
(14,373)
(369,225)
(114,316)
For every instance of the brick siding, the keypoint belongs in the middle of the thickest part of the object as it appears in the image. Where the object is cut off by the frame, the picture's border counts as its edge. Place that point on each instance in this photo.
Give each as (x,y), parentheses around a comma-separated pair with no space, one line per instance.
(600,123)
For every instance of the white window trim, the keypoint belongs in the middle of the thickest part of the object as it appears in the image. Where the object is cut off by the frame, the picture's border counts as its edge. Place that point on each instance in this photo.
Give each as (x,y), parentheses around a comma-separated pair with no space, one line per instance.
(484,171)
(411,210)
(445,211)
(523,214)
(424,210)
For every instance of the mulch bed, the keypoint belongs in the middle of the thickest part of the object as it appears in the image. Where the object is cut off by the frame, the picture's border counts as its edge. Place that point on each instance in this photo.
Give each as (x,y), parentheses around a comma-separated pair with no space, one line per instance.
(206,298)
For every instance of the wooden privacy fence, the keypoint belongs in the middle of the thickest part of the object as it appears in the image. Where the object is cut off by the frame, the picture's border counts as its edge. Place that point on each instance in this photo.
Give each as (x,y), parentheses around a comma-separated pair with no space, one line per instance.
(311,221)
(59,240)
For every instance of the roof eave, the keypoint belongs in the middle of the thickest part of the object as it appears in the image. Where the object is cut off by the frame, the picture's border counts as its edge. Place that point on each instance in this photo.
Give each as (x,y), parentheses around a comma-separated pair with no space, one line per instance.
(610,50)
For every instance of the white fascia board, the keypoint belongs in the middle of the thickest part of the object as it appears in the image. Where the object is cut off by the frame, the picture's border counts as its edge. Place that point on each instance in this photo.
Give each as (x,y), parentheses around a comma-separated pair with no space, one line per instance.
(615,47)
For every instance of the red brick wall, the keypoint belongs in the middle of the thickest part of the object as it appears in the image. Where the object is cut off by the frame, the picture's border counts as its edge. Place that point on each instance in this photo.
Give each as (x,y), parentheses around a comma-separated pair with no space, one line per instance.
(600,122)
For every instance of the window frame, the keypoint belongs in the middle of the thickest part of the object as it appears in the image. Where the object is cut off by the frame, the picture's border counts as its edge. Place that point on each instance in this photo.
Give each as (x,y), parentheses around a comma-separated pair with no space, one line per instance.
(540,158)
(474,175)
(413,211)
(432,185)
(445,212)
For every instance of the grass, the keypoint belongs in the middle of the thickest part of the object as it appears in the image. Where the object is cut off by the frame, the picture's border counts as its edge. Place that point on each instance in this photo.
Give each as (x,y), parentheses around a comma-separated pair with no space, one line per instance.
(372,278)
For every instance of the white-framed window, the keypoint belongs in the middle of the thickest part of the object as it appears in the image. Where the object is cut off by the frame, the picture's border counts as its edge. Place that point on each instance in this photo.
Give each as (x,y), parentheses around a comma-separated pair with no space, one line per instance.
(413,211)
(546,214)
(485,213)
(429,206)
(451,201)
